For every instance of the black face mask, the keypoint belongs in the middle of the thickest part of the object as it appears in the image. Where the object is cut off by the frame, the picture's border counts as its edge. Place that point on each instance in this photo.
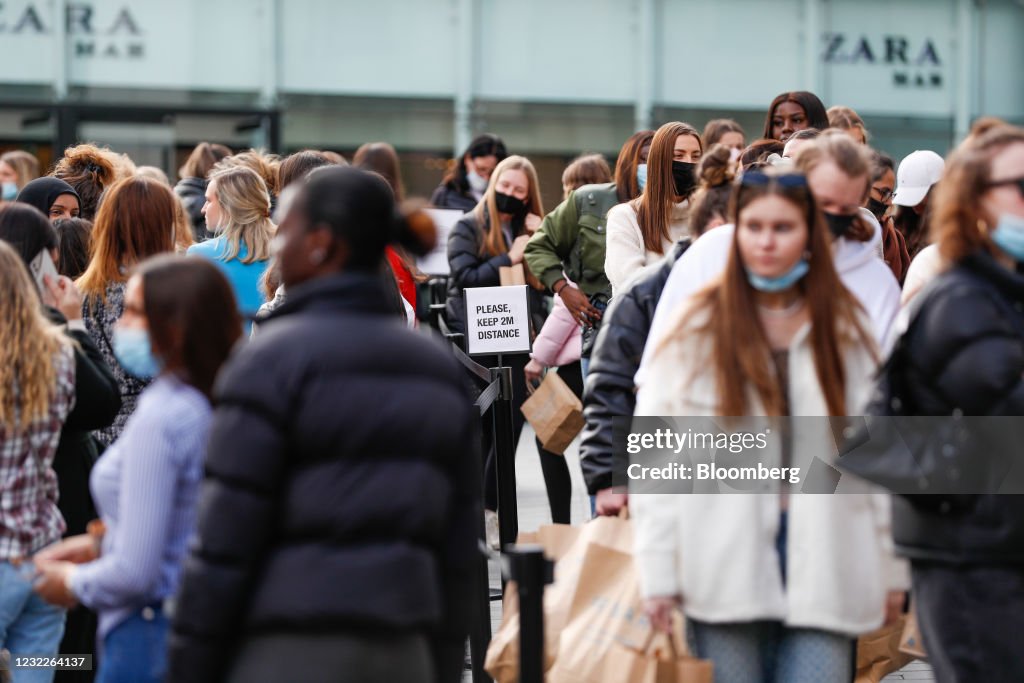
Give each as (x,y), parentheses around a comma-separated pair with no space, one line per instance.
(506,203)
(839,225)
(684,175)
(876,207)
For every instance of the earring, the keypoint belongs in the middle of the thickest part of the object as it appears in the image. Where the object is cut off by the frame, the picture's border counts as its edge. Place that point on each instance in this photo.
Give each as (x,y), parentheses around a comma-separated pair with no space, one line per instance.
(316,257)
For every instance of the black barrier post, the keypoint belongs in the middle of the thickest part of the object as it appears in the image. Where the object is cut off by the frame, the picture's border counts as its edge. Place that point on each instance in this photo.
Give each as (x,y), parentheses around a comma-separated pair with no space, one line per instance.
(531,571)
(505,458)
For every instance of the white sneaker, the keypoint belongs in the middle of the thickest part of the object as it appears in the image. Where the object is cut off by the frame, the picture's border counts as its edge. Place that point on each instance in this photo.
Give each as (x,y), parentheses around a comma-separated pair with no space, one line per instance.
(491,529)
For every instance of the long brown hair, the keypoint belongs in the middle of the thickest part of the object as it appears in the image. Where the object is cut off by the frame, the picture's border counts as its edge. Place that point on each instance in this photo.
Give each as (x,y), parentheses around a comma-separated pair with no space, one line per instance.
(28,346)
(626,185)
(714,176)
(486,212)
(741,354)
(959,225)
(202,159)
(655,206)
(135,221)
(381,158)
(192,316)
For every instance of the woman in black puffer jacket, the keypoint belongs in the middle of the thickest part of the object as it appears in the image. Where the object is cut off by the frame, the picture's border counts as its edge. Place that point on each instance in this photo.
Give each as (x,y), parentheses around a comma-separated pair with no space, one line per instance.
(191,189)
(339,519)
(964,354)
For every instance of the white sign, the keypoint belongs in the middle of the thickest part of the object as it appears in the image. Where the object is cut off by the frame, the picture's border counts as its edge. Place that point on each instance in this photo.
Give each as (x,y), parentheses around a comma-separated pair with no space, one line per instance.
(436,262)
(497,320)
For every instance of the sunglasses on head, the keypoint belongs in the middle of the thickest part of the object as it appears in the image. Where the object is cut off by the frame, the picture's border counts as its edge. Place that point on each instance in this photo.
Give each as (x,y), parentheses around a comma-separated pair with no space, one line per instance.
(1019,182)
(759,179)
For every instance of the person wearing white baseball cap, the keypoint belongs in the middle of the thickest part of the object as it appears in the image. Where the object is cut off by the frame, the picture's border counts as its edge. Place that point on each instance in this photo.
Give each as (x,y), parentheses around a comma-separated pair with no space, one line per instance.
(916,175)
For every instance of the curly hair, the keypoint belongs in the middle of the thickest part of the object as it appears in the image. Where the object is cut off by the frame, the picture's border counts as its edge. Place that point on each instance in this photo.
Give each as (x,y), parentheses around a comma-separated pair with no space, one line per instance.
(90,170)
(28,344)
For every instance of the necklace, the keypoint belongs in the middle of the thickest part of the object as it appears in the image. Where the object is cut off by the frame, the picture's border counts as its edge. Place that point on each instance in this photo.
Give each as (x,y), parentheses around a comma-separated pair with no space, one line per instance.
(790,310)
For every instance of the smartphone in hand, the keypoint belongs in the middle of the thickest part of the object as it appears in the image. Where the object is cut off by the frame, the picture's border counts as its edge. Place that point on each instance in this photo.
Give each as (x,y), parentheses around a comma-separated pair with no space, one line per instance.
(40,267)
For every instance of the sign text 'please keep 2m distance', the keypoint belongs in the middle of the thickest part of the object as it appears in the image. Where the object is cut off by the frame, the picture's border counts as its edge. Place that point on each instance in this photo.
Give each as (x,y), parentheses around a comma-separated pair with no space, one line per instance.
(497,320)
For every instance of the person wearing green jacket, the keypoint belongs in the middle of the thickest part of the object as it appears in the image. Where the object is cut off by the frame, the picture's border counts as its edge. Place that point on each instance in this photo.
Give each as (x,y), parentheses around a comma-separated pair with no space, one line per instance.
(567,252)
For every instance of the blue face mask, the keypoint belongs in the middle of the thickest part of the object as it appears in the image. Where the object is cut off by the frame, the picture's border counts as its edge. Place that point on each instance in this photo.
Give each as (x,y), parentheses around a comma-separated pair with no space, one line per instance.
(780,283)
(641,176)
(10,192)
(1009,235)
(134,352)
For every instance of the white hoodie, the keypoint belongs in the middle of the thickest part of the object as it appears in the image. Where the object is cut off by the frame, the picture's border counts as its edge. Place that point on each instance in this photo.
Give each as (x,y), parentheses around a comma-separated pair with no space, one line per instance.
(858,263)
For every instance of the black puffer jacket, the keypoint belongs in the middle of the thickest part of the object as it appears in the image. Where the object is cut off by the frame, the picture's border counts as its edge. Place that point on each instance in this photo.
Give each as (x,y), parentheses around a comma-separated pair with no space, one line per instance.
(609,388)
(342,490)
(447,196)
(192,192)
(965,351)
(470,269)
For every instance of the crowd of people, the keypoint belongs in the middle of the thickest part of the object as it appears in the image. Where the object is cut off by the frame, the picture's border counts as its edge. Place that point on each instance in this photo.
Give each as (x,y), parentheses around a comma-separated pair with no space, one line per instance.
(232,449)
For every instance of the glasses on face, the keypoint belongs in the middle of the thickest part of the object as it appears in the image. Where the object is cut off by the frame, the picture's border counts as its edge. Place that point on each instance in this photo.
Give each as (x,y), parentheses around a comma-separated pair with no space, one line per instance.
(1019,182)
(884,193)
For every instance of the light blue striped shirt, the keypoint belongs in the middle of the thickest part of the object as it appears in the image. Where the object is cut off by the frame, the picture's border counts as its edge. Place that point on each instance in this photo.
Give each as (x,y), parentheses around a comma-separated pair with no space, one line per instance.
(146,488)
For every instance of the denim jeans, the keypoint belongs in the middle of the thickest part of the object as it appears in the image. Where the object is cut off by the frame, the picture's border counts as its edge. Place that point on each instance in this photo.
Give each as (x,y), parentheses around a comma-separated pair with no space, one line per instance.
(769,652)
(28,625)
(135,651)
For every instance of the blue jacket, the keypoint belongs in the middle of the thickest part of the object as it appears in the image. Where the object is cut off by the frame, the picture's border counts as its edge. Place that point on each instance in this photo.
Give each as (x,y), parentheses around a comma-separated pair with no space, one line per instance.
(244,277)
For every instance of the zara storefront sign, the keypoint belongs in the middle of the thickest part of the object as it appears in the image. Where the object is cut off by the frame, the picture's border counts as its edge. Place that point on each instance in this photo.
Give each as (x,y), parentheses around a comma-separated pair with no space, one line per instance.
(113,33)
(497,320)
(915,64)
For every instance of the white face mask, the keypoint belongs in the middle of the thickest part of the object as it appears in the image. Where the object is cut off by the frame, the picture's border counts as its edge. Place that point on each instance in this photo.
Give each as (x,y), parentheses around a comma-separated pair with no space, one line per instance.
(477,182)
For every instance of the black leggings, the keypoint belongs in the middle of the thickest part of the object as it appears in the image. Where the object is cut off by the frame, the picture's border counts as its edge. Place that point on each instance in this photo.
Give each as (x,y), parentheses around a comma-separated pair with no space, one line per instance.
(553,466)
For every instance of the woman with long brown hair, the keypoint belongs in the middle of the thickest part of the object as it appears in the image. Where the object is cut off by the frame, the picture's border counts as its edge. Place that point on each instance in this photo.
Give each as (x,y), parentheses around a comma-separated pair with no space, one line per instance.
(776,585)
(37,373)
(179,325)
(136,221)
(642,230)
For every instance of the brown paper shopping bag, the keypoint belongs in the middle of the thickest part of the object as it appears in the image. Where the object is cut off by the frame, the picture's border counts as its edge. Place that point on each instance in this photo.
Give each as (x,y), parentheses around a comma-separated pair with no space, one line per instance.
(555,413)
(565,545)
(608,638)
(512,275)
(878,653)
(910,642)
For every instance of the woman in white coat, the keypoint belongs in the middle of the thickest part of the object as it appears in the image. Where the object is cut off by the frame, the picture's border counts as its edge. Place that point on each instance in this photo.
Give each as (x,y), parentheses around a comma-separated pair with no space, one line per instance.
(642,231)
(776,587)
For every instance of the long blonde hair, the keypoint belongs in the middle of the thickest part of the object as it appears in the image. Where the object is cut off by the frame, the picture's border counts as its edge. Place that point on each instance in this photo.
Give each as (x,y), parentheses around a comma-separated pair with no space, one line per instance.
(245,203)
(28,344)
(494,240)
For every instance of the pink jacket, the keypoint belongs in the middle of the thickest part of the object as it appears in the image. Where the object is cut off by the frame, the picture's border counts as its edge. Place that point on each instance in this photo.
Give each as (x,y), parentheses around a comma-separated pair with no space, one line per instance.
(560,341)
